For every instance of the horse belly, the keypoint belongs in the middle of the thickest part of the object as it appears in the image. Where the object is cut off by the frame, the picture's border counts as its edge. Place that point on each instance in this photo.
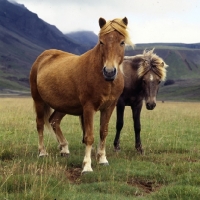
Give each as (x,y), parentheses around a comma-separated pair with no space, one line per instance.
(65,105)
(64,100)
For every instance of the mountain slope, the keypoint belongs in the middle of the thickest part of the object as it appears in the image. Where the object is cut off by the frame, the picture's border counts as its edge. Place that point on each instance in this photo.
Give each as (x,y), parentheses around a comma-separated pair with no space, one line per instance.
(19,20)
(23,36)
(87,38)
(184,63)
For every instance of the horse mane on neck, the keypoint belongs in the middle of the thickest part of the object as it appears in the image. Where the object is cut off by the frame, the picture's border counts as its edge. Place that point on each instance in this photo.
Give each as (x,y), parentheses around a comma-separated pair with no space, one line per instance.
(118,25)
(150,61)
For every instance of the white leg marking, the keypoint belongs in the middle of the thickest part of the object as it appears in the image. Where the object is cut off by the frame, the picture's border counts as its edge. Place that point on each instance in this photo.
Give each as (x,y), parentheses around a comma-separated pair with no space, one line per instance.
(43,153)
(151,77)
(87,159)
(101,154)
(64,149)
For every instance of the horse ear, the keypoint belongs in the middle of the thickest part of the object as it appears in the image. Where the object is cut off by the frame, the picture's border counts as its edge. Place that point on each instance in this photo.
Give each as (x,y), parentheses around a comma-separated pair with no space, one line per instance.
(164,65)
(102,22)
(125,20)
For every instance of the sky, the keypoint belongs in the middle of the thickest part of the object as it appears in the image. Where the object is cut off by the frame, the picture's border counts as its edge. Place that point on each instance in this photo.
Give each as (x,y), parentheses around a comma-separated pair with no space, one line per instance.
(149,21)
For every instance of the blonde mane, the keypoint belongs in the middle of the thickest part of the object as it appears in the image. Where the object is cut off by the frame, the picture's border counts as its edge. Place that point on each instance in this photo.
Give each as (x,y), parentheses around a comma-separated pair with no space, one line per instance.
(118,25)
(152,62)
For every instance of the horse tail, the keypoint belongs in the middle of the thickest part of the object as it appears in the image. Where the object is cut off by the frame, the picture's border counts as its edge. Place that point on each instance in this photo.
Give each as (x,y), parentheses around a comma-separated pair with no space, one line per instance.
(47,114)
(40,107)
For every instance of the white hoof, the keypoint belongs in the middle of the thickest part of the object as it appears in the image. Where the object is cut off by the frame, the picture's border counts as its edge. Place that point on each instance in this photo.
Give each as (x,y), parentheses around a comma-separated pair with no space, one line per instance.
(42,154)
(86,172)
(102,160)
(86,168)
(104,164)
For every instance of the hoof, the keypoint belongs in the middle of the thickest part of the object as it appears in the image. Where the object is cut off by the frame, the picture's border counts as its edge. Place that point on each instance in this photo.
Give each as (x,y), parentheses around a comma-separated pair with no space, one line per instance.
(85,172)
(43,154)
(117,146)
(139,150)
(64,154)
(104,164)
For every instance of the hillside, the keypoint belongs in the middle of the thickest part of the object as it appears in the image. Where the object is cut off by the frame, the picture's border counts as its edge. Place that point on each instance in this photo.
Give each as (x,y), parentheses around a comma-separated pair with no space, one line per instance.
(19,20)
(181,90)
(184,63)
(87,38)
(23,36)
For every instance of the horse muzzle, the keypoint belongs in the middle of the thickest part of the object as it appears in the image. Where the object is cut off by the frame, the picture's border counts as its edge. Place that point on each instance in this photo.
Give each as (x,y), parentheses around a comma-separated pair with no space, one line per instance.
(150,106)
(109,73)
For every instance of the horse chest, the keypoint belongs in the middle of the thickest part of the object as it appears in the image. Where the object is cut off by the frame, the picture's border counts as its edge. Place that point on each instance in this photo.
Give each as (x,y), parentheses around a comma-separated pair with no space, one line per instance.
(108,97)
(106,102)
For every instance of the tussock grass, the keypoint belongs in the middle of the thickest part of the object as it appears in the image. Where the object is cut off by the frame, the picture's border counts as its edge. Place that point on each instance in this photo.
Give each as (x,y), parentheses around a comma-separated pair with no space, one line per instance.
(168,169)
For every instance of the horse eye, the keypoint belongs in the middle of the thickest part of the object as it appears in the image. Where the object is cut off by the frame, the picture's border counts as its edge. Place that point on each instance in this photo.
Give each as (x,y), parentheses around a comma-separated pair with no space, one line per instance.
(122,43)
(101,42)
(159,82)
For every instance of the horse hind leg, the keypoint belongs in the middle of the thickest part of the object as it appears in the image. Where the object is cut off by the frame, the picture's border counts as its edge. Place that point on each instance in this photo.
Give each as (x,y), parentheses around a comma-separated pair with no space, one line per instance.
(39,109)
(55,120)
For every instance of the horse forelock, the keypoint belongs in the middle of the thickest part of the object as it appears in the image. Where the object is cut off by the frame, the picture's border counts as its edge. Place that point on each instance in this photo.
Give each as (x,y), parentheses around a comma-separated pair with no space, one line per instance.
(152,62)
(118,25)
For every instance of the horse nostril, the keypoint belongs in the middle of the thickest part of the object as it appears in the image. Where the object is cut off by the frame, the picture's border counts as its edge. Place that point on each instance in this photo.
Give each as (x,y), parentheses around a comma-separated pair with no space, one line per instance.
(109,73)
(150,106)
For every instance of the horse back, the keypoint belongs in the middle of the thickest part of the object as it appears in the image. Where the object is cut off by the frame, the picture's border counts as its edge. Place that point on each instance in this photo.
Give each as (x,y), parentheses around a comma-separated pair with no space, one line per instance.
(49,57)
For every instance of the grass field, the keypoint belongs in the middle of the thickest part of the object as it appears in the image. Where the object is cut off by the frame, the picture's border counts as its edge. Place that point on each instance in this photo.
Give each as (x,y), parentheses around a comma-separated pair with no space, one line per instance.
(169,168)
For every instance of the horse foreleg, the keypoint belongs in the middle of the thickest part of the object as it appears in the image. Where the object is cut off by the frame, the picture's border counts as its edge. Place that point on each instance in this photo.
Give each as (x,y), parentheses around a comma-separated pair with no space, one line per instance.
(82,126)
(88,115)
(104,121)
(136,110)
(119,124)
(55,120)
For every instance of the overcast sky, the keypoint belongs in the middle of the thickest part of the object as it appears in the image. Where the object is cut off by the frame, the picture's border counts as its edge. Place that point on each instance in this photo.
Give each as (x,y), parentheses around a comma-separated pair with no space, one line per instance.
(149,20)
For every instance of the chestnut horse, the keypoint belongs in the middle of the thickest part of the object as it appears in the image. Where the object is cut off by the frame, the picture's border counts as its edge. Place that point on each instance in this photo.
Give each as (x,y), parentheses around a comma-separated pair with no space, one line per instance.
(142,76)
(80,85)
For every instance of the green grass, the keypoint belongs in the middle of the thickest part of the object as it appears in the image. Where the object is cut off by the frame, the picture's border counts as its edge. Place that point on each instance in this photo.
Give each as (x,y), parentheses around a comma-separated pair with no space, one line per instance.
(168,169)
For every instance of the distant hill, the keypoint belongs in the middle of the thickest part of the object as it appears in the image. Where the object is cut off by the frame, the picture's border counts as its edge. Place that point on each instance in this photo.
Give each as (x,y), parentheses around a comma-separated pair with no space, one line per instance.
(23,36)
(170,45)
(181,90)
(87,38)
(184,63)
(19,20)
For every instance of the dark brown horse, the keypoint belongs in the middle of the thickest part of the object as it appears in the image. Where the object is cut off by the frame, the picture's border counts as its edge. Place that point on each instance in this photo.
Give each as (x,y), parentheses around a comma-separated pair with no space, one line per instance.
(142,76)
(80,85)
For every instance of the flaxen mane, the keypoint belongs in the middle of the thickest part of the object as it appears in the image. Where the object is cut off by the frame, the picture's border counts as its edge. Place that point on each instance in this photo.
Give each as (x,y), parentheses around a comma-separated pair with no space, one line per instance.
(118,25)
(152,62)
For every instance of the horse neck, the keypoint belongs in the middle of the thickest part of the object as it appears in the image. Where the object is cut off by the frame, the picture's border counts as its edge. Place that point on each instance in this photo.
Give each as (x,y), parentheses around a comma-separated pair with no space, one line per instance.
(134,82)
(93,57)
